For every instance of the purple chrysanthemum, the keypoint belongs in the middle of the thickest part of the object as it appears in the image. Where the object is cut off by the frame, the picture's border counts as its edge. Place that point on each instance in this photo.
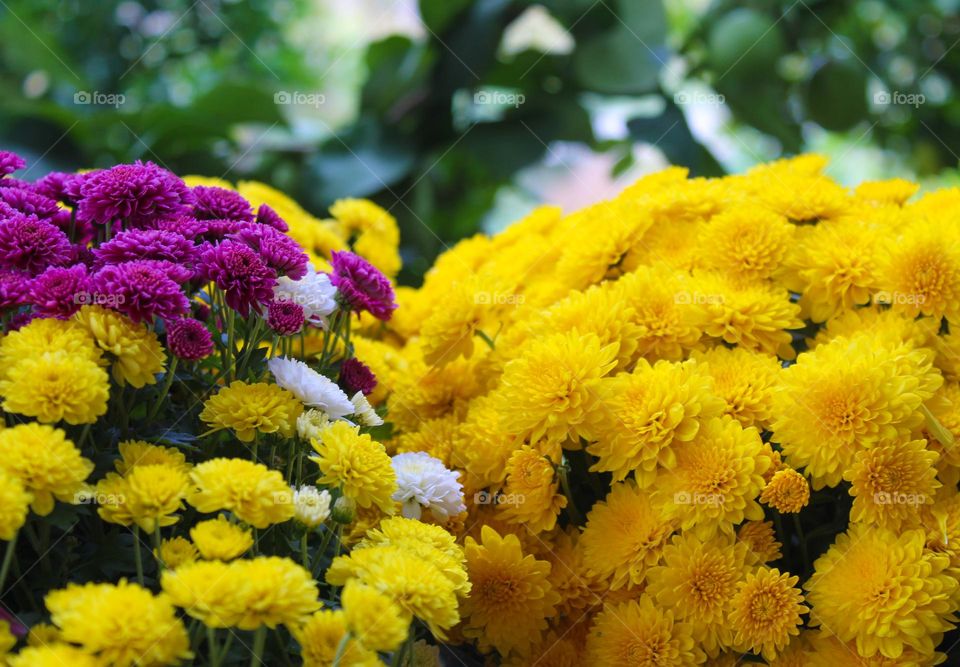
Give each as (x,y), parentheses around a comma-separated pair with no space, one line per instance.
(147,244)
(60,291)
(61,186)
(285,317)
(279,251)
(189,339)
(14,288)
(31,203)
(361,286)
(267,216)
(134,194)
(141,290)
(29,244)
(244,278)
(356,376)
(213,203)
(10,162)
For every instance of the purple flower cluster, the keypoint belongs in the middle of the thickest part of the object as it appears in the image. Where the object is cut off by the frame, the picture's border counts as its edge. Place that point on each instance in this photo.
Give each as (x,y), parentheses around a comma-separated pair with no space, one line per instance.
(361,285)
(356,376)
(131,195)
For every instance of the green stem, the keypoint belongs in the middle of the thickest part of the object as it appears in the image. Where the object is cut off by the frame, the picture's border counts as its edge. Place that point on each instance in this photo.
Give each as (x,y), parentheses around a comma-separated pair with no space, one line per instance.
(164,390)
(259,641)
(304,553)
(803,543)
(575,515)
(341,649)
(317,558)
(486,339)
(156,547)
(137,556)
(212,646)
(7,561)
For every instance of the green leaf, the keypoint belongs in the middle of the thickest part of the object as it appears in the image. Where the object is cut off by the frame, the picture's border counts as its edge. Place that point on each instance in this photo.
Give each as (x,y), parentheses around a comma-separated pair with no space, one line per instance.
(398,69)
(437,14)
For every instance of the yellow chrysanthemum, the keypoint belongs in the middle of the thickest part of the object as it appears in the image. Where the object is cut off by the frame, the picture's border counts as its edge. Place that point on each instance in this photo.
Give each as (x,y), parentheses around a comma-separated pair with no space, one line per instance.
(111,497)
(697,579)
(251,408)
(548,391)
(922,272)
(511,598)
(891,191)
(762,540)
(747,244)
(154,494)
(53,655)
(357,464)
(54,386)
(320,636)
(827,651)
(892,483)
(205,591)
(717,479)
(787,491)
(257,495)
(883,591)
(744,380)
(46,462)
(218,539)
(469,308)
(533,487)
(42,634)
(124,624)
(135,453)
(485,466)
(14,505)
(625,534)
(577,588)
(134,348)
(379,623)
(638,634)
(175,552)
(376,231)
(766,611)
(803,198)
(47,334)
(436,437)
(642,414)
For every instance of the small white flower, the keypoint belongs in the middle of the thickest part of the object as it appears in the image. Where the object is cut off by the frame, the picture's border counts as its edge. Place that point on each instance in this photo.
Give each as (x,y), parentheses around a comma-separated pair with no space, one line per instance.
(314,293)
(364,411)
(313,389)
(311,507)
(424,482)
(310,424)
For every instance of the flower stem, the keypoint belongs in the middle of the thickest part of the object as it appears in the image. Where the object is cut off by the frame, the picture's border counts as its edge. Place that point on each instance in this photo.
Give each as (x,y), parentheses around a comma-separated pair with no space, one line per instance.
(212,645)
(167,383)
(259,641)
(156,547)
(304,553)
(137,556)
(8,560)
(341,649)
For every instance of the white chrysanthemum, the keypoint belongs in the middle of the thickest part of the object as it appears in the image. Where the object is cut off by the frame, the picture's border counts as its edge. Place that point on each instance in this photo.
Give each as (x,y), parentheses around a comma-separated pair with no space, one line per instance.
(364,412)
(314,293)
(424,482)
(310,387)
(311,506)
(310,424)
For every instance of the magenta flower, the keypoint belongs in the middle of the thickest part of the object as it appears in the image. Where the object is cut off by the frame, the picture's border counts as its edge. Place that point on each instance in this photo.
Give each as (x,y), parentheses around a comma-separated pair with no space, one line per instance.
(134,194)
(14,287)
(212,203)
(140,290)
(60,186)
(59,291)
(31,203)
(361,286)
(30,244)
(189,339)
(279,251)
(147,244)
(10,162)
(285,317)
(244,278)
(267,216)
(356,376)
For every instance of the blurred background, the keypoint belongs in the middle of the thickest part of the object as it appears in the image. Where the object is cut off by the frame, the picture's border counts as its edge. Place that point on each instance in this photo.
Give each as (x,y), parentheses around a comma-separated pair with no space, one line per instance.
(461,115)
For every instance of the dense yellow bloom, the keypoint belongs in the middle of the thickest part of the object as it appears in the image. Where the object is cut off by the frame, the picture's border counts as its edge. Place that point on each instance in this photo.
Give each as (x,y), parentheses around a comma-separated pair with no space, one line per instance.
(883,591)
(257,495)
(548,391)
(746,243)
(155,494)
(766,611)
(54,386)
(47,334)
(787,491)
(533,487)
(379,623)
(111,495)
(487,465)
(827,651)
(48,465)
(422,392)
(922,271)
(135,453)
(625,535)
(468,310)
(745,380)
(175,552)
(376,231)
(251,408)
(717,479)
(696,580)
(641,415)
(319,638)
(890,191)
(357,464)
(511,598)
(14,504)
(762,540)
(638,634)
(53,655)
(891,483)
(134,348)
(123,624)
(218,539)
